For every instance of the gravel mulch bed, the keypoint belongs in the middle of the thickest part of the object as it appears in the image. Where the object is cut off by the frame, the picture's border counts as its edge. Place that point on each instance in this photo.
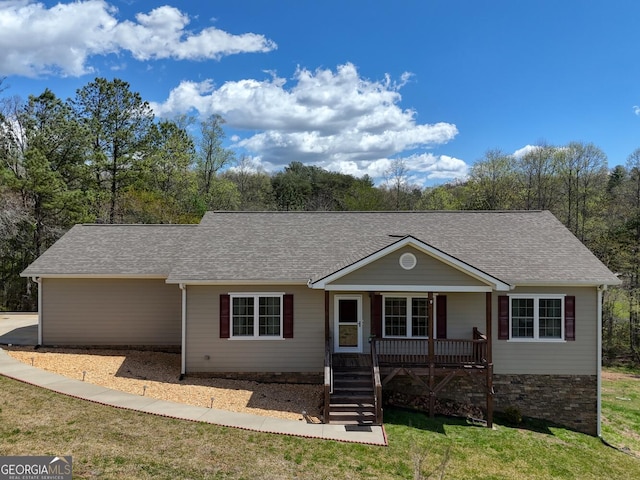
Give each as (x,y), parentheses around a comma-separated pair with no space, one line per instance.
(155,374)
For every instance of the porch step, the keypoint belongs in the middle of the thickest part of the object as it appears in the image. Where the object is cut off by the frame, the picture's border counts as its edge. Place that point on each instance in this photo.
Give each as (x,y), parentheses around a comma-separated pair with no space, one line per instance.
(341,398)
(348,407)
(362,413)
(361,370)
(356,417)
(344,372)
(353,390)
(352,400)
(347,384)
(340,381)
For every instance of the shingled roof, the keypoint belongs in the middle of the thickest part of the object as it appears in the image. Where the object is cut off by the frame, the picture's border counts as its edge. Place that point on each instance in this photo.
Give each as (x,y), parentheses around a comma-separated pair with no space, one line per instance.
(517,247)
(113,250)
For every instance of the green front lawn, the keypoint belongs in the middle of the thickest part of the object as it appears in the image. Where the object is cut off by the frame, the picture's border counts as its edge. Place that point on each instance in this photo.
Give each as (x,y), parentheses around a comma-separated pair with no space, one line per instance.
(621,409)
(111,443)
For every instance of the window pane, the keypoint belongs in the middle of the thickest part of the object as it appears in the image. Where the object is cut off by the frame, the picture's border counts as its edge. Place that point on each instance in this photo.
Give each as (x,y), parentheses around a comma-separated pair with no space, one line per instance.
(348,310)
(269,316)
(348,335)
(395,317)
(419,317)
(550,322)
(522,317)
(242,316)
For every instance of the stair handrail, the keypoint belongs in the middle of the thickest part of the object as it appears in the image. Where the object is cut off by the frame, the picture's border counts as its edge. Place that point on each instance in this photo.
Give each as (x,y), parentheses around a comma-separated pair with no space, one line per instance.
(328,378)
(377,384)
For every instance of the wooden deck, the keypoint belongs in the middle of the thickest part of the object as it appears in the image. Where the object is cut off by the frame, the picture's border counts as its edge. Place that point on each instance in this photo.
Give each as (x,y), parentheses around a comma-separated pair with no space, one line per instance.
(431,363)
(444,353)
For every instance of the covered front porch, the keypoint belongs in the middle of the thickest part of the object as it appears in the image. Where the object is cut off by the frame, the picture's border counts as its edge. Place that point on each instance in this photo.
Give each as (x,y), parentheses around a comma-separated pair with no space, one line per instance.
(355,378)
(414,311)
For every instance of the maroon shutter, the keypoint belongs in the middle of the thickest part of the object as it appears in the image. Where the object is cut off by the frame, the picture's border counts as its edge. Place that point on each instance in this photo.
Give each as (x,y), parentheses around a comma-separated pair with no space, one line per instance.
(287,326)
(441,316)
(225,314)
(376,315)
(569,317)
(503,317)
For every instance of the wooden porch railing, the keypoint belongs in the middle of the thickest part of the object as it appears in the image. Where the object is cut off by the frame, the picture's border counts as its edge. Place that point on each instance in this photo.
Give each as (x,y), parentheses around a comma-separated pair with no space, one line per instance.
(477,335)
(328,379)
(377,384)
(446,352)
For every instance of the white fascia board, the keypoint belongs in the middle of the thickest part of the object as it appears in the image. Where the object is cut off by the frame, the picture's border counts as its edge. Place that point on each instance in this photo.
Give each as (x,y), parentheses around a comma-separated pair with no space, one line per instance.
(538,283)
(98,276)
(409,288)
(235,282)
(445,258)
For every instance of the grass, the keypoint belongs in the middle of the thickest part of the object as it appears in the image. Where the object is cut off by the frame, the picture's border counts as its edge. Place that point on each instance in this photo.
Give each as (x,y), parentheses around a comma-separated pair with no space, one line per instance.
(119,444)
(621,409)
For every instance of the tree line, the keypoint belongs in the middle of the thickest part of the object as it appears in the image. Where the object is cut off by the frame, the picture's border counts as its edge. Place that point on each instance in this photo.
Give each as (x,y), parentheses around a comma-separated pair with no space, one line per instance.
(102,156)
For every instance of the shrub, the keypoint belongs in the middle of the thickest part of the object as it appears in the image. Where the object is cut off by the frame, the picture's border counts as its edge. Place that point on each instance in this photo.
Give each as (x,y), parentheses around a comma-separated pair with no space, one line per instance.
(512,415)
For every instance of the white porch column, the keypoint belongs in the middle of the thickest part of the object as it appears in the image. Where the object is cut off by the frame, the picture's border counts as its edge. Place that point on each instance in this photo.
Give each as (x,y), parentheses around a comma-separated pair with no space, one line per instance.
(183,346)
(601,289)
(38,280)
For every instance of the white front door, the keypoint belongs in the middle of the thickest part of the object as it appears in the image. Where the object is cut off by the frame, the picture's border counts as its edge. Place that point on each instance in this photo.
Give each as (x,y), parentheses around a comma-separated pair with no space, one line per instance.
(347,324)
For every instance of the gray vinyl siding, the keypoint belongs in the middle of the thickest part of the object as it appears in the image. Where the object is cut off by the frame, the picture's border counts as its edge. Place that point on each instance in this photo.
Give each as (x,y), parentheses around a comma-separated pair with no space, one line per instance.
(577,357)
(465,311)
(302,353)
(110,312)
(387,271)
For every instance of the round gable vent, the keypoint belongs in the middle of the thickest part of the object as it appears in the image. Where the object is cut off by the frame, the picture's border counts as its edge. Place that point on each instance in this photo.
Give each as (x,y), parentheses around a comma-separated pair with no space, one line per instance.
(408,261)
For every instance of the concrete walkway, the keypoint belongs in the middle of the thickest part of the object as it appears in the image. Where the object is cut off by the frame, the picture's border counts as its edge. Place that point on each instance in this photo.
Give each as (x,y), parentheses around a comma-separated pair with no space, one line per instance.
(18,328)
(11,368)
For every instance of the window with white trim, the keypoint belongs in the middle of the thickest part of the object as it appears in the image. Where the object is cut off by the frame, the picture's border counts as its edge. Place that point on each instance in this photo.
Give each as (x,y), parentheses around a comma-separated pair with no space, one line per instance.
(256,315)
(536,317)
(405,316)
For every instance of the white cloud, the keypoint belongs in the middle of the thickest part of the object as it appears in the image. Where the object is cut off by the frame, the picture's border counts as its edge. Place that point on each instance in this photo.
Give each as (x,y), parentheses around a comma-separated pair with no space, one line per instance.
(248,164)
(35,40)
(521,152)
(161,34)
(428,168)
(334,119)
(422,169)
(636,110)
(446,167)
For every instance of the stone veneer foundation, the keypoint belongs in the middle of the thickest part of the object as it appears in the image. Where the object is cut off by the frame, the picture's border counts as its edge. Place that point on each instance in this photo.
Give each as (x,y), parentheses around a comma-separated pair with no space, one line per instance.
(569,400)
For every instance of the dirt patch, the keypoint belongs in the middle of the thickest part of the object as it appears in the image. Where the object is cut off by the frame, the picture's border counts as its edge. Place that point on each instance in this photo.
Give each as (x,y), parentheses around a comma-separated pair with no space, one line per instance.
(156,375)
(608,375)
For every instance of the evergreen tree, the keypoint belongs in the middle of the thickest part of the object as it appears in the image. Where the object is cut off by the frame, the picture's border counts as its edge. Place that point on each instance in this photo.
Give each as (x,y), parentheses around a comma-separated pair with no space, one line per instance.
(119,122)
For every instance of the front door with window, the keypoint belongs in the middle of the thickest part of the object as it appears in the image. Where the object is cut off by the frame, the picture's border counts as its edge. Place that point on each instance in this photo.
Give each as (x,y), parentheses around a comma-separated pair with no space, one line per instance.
(348,324)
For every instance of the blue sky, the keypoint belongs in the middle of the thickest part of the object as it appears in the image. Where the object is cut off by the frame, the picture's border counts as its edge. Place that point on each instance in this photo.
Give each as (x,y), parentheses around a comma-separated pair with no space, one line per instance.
(352,85)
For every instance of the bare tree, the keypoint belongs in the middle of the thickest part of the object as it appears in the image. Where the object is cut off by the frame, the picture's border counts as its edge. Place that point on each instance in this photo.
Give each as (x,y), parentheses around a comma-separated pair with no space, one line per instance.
(582,169)
(492,182)
(397,180)
(536,173)
(211,155)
